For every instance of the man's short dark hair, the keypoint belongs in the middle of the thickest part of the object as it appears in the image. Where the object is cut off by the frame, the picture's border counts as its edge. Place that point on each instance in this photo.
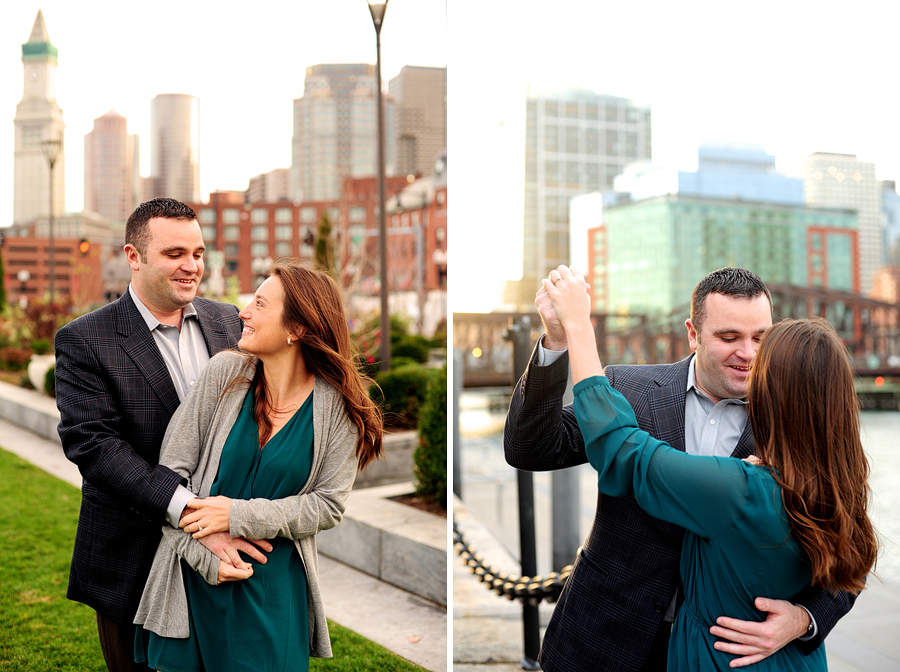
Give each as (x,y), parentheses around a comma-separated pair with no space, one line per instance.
(136,232)
(731,281)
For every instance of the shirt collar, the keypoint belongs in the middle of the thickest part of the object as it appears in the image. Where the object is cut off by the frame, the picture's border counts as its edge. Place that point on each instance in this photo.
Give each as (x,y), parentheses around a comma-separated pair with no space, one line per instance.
(692,384)
(151,321)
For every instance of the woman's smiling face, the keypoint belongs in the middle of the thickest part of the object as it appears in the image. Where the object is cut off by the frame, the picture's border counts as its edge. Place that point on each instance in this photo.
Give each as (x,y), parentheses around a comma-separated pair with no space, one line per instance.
(264,331)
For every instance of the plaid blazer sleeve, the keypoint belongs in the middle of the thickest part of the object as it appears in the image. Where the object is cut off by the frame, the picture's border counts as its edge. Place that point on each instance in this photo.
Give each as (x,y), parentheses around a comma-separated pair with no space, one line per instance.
(540,433)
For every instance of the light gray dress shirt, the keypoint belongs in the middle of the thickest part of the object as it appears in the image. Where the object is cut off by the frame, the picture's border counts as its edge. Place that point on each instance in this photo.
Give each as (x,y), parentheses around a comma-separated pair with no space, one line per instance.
(185,353)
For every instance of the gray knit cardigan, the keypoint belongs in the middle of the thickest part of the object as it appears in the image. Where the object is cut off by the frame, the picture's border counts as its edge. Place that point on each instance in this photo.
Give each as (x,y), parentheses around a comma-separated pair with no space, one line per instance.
(204,420)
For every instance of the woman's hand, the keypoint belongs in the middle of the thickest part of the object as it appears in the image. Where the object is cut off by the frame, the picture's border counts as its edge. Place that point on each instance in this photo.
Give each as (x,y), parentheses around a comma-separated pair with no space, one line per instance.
(569,293)
(202,517)
(572,304)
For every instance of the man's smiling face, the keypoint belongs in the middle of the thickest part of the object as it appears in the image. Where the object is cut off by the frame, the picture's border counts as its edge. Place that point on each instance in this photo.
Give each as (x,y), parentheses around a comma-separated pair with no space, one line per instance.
(727,342)
(166,278)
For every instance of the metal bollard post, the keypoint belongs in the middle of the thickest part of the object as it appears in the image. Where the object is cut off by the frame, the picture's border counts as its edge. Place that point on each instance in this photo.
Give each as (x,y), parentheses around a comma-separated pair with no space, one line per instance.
(519,334)
(565,516)
(456,446)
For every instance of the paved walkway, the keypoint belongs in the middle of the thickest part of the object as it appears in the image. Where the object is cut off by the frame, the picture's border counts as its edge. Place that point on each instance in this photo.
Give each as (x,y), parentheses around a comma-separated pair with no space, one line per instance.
(488,637)
(406,624)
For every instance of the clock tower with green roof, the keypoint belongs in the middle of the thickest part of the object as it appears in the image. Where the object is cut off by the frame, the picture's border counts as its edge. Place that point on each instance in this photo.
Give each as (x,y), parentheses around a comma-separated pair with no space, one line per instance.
(40,132)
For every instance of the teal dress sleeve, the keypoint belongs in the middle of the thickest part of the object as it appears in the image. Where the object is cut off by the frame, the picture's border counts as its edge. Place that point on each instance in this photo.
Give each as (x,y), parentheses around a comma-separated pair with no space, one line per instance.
(702,494)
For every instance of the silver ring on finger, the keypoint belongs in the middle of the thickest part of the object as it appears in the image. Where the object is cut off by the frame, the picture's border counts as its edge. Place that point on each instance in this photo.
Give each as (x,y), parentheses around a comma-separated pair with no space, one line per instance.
(199,529)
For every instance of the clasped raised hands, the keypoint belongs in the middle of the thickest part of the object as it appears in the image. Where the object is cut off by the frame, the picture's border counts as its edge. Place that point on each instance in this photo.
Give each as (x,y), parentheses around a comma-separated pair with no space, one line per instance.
(569,297)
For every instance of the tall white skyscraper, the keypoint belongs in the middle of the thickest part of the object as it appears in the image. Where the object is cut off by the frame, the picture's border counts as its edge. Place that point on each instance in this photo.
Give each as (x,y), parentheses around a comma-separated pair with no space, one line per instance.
(110,165)
(39,130)
(420,118)
(336,130)
(842,181)
(175,146)
(576,142)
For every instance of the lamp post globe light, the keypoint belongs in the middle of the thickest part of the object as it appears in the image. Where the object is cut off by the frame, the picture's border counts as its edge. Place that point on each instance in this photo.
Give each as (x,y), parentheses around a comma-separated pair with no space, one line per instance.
(51,150)
(23,276)
(377,10)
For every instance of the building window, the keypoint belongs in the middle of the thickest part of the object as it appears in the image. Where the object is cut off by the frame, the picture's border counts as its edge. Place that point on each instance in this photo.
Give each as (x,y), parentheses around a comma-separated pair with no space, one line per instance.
(593,176)
(259,233)
(307,215)
(231,250)
(573,180)
(284,232)
(357,213)
(231,266)
(209,235)
(231,216)
(284,215)
(816,241)
(551,138)
(232,233)
(207,216)
(572,139)
(259,216)
(259,249)
(551,173)
(283,249)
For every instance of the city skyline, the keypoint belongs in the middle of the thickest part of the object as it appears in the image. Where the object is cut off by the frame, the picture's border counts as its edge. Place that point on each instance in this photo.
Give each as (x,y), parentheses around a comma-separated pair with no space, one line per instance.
(245,72)
(796,78)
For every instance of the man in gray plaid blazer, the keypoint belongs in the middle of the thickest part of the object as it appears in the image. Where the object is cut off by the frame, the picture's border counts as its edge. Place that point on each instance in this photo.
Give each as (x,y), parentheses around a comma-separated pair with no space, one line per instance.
(121,371)
(616,609)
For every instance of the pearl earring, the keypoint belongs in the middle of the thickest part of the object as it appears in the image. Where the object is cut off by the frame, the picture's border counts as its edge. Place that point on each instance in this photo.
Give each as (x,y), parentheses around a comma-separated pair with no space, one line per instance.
(290,342)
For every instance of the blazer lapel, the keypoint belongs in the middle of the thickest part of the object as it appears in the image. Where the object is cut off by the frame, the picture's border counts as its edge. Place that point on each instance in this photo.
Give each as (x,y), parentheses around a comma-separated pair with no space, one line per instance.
(214,332)
(139,345)
(667,404)
(746,446)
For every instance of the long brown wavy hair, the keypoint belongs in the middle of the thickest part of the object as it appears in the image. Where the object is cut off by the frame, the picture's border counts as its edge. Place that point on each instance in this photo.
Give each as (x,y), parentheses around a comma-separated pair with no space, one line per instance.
(804,414)
(312,301)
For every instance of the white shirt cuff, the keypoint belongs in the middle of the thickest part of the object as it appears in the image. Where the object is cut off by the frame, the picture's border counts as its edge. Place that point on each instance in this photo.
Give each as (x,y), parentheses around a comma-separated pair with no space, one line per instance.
(546,357)
(815,627)
(179,500)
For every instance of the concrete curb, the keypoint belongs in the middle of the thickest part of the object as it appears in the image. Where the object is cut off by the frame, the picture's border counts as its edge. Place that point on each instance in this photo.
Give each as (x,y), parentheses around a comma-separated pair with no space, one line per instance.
(396,543)
(32,410)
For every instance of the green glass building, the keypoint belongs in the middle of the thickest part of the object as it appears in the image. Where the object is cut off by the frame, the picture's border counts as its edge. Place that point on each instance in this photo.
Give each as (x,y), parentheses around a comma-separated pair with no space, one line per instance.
(650,254)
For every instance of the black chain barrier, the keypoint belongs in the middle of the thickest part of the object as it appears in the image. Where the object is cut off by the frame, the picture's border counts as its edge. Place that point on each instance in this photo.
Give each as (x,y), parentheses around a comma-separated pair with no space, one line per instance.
(529,589)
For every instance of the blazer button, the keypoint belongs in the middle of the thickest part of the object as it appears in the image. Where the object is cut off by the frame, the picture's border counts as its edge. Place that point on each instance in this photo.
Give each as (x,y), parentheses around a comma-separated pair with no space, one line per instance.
(658,608)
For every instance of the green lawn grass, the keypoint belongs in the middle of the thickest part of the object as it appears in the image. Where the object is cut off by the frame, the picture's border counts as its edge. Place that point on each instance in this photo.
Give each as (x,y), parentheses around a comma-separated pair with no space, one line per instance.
(40,629)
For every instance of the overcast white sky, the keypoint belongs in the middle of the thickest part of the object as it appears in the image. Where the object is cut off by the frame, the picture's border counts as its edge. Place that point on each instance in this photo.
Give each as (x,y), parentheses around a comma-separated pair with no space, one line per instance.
(244,61)
(797,77)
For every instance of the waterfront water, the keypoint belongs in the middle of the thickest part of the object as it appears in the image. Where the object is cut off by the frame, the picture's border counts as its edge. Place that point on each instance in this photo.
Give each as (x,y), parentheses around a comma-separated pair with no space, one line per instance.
(489,484)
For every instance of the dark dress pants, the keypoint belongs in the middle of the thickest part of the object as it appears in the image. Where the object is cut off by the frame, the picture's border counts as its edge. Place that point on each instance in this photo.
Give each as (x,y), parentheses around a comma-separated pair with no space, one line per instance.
(117,644)
(659,650)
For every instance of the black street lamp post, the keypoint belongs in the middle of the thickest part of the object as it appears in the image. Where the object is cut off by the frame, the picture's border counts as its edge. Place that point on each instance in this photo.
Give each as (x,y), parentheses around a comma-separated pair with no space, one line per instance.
(377,10)
(51,149)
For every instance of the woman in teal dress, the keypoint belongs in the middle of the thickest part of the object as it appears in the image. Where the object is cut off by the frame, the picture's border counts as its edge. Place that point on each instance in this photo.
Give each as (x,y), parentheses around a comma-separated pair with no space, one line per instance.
(772,526)
(270,439)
